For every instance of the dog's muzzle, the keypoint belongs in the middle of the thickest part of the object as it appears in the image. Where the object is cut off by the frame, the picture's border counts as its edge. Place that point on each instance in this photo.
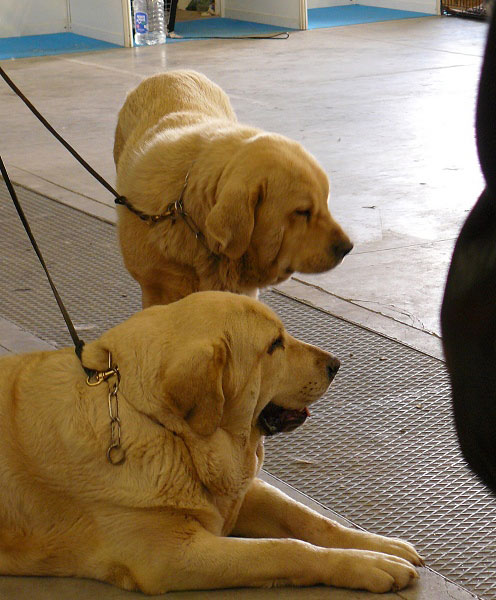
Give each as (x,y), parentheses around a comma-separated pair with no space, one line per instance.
(275,419)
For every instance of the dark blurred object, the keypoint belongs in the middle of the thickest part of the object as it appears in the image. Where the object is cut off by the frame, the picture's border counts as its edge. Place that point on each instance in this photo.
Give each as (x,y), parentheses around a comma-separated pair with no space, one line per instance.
(468,314)
(171,8)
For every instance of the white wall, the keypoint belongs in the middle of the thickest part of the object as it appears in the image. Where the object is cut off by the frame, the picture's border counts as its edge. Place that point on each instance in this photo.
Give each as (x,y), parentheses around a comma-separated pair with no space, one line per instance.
(425,6)
(32,17)
(107,20)
(327,3)
(284,13)
(99,19)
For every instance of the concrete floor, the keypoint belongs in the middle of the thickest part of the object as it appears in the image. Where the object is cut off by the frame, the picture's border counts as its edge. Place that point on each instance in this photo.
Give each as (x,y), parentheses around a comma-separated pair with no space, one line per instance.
(388,110)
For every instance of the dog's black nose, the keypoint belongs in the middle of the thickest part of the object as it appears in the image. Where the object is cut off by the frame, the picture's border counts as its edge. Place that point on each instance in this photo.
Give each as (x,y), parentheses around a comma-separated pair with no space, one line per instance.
(332,368)
(342,249)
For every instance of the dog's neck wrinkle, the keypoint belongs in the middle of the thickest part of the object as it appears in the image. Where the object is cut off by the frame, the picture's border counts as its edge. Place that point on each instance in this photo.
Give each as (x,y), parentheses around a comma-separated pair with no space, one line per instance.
(250,274)
(159,457)
(221,461)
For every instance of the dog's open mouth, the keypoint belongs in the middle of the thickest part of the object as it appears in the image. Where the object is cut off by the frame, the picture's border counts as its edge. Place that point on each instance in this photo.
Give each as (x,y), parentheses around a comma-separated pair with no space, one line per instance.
(275,419)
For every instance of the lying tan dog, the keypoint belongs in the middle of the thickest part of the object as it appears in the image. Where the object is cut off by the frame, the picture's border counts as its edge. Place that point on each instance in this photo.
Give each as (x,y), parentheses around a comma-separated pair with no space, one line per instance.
(201,381)
(256,202)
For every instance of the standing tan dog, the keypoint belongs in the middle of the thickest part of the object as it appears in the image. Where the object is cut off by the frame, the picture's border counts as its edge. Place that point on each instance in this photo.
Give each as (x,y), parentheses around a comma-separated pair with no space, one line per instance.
(201,381)
(256,202)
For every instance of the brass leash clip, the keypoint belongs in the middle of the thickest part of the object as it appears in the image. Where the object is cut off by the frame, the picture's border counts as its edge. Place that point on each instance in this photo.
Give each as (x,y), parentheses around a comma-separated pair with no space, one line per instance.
(98,377)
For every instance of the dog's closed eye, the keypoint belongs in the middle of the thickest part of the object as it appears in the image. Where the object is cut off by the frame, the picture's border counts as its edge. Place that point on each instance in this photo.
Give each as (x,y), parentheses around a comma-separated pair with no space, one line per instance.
(277,343)
(304,213)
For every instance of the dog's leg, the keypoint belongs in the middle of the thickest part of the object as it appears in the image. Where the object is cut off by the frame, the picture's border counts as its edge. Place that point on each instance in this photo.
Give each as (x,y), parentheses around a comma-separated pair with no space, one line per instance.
(218,562)
(162,293)
(154,294)
(157,552)
(207,561)
(163,286)
(267,512)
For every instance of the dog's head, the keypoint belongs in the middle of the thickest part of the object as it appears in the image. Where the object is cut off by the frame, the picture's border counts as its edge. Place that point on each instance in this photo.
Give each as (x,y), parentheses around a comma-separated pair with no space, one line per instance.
(214,359)
(271,206)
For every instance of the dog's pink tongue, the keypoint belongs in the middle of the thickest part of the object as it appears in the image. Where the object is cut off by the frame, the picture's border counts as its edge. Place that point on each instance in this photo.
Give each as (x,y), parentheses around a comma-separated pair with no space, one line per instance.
(275,419)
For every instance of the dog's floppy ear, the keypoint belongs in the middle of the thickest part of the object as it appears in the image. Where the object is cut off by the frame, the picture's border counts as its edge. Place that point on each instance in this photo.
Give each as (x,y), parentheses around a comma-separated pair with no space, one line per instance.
(230,223)
(193,385)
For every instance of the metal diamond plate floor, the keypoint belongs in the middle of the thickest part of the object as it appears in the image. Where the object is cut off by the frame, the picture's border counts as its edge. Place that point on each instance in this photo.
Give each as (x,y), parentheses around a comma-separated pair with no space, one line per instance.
(379,448)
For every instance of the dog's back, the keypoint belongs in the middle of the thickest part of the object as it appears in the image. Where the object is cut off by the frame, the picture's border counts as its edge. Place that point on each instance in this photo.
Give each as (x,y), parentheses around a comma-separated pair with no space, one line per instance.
(184,92)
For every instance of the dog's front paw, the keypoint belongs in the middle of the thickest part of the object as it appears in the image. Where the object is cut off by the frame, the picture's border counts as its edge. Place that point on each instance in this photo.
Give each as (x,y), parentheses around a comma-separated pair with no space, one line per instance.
(393,546)
(372,571)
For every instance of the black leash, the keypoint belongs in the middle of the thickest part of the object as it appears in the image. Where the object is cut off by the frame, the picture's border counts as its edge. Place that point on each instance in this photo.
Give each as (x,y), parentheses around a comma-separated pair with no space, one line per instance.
(78,342)
(41,118)
(282,35)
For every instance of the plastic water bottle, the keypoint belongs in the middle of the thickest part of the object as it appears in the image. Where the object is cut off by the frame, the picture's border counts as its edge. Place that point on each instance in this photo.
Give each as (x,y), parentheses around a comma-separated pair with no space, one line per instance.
(149,22)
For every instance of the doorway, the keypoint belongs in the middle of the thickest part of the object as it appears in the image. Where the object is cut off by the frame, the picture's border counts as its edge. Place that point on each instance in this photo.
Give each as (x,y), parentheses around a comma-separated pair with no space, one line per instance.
(190,10)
